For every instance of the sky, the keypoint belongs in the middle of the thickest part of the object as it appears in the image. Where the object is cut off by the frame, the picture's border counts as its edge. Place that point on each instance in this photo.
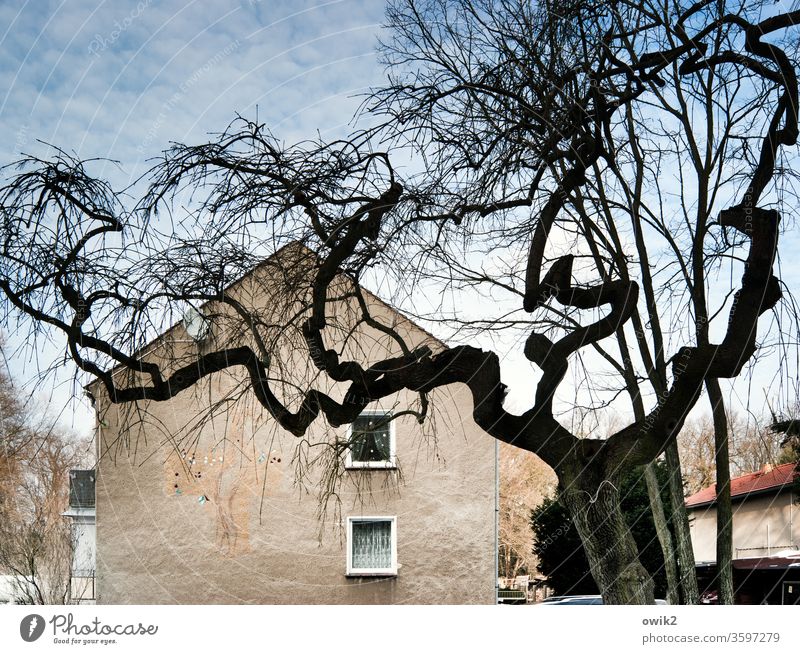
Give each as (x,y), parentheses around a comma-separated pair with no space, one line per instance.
(120,80)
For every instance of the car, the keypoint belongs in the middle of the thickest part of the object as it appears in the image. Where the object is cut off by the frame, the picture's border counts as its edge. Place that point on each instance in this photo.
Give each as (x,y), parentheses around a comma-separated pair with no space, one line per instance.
(577,600)
(572,600)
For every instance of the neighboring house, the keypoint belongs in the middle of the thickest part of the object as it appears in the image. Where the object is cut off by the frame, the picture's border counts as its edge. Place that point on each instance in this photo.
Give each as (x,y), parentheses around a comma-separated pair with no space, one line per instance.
(766,535)
(79,544)
(82,514)
(223,508)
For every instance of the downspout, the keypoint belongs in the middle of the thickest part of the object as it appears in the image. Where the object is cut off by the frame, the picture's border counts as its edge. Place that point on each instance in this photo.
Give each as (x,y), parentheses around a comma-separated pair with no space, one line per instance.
(496,519)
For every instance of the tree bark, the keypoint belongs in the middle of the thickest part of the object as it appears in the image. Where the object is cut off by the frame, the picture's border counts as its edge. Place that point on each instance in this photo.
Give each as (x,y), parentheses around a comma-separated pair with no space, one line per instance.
(686,581)
(662,531)
(680,525)
(724,509)
(609,545)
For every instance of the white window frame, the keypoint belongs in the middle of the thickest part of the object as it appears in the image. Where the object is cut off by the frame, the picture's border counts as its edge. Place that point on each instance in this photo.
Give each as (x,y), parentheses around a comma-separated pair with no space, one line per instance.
(371,572)
(379,465)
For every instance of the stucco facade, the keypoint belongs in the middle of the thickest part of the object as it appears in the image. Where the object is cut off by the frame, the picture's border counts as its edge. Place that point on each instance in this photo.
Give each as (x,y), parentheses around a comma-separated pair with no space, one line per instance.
(763,525)
(225,507)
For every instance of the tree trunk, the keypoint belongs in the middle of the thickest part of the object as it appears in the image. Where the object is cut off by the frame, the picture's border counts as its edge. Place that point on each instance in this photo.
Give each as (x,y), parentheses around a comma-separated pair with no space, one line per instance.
(724,509)
(662,531)
(680,526)
(687,580)
(610,549)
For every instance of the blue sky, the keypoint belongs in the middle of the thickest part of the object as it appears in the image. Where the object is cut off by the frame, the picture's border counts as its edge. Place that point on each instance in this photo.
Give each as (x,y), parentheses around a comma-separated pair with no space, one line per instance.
(122,79)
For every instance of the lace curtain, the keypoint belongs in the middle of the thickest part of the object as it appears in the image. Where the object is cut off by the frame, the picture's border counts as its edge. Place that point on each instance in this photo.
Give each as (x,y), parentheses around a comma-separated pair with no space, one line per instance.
(372,544)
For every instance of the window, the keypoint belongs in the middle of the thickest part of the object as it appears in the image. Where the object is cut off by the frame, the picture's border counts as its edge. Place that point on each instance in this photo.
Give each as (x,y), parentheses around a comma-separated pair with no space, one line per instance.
(371,546)
(372,441)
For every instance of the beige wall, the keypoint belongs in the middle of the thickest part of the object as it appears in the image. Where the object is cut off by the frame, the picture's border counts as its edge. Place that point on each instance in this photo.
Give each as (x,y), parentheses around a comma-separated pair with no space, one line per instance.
(259,536)
(762,524)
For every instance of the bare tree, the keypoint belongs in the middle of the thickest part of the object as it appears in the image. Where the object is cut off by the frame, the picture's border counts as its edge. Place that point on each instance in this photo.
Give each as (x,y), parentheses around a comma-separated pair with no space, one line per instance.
(36,540)
(752,446)
(514,116)
(524,482)
(14,432)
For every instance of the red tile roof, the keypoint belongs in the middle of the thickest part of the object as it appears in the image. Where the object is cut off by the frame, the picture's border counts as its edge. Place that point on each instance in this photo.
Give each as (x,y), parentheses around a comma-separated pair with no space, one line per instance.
(755,482)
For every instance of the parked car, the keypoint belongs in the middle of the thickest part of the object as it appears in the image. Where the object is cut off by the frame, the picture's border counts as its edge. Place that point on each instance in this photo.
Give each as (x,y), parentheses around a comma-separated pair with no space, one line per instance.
(576,600)
(572,600)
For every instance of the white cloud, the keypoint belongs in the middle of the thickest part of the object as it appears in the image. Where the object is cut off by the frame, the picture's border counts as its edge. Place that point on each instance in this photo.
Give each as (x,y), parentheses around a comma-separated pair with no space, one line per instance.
(123,79)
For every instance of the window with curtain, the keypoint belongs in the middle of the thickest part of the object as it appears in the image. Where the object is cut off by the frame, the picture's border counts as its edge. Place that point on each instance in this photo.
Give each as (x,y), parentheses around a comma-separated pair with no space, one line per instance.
(372,546)
(371,441)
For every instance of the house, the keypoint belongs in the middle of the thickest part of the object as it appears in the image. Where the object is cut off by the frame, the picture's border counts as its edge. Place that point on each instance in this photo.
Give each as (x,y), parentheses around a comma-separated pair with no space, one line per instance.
(81,513)
(766,535)
(204,499)
(53,577)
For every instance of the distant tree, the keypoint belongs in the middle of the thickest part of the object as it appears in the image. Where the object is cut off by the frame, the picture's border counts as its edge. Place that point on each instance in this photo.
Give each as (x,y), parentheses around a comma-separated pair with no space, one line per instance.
(752,446)
(559,551)
(524,482)
(14,433)
(36,540)
(788,428)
